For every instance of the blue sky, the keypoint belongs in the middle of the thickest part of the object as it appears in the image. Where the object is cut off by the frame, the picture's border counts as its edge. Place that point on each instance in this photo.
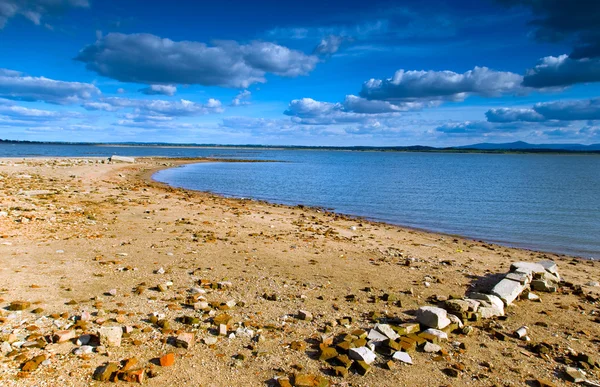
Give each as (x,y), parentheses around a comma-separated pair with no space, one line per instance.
(309,73)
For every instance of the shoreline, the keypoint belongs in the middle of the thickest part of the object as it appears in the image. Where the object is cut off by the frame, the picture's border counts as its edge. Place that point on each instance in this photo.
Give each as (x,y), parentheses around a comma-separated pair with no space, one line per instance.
(90,245)
(498,242)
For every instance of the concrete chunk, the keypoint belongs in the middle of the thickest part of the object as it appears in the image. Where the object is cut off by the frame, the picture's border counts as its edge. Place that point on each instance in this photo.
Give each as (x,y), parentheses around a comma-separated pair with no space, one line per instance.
(433,317)
(507,290)
(387,331)
(527,267)
(362,354)
(403,357)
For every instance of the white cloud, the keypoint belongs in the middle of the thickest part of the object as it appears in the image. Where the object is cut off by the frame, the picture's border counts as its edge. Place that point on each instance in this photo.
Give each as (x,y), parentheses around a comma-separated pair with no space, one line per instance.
(329,45)
(570,110)
(442,85)
(169,90)
(156,107)
(16,86)
(562,71)
(34,10)
(163,61)
(242,98)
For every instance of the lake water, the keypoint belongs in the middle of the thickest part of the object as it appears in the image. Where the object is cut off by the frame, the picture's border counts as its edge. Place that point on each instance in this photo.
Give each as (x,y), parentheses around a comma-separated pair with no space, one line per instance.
(542,202)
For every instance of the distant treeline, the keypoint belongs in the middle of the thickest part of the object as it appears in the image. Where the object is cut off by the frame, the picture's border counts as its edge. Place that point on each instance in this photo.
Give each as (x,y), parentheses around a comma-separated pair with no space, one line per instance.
(414,148)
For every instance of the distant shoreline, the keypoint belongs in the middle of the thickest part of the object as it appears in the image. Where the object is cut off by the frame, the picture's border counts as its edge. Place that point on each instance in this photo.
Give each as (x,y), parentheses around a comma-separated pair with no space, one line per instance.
(477,148)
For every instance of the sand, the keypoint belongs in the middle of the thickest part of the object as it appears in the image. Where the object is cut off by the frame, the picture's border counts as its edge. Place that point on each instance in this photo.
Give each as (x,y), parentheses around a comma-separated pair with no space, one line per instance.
(73,230)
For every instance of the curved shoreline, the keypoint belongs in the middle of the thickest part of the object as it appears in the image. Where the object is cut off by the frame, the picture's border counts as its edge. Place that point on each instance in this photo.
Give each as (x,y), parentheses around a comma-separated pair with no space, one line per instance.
(148,177)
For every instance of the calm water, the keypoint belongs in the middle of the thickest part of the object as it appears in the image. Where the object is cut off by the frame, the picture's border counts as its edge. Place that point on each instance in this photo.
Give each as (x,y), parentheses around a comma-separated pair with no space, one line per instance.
(544,202)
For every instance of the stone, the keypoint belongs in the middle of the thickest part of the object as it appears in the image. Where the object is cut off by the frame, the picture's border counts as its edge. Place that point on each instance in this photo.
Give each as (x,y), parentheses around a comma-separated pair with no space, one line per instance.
(456,320)
(167,360)
(63,336)
(340,371)
(521,332)
(184,340)
(112,292)
(110,336)
(5,347)
(305,315)
(362,367)
(328,353)
(105,372)
(431,348)
(543,285)
(433,317)
(304,380)
(19,305)
(507,290)
(375,336)
(407,328)
(362,354)
(434,333)
(458,306)
(527,267)
(522,278)
(387,331)
(122,159)
(83,350)
(33,363)
(403,357)
(134,376)
(575,375)
(550,266)
(222,319)
(210,340)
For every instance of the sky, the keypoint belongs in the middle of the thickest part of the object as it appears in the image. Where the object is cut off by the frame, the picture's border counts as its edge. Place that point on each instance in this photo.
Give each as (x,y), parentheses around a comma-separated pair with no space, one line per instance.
(322,73)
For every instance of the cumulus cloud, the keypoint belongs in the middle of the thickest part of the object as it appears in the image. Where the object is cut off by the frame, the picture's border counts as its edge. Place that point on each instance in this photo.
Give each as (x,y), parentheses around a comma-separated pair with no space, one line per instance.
(159,90)
(513,114)
(562,71)
(242,98)
(560,20)
(442,85)
(155,107)
(149,59)
(34,10)
(308,111)
(575,110)
(27,114)
(587,109)
(329,45)
(17,86)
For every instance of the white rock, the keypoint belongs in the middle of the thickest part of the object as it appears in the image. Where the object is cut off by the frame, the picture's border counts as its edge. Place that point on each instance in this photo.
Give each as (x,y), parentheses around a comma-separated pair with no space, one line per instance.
(123,159)
(441,335)
(431,348)
(375,336)
(433,317)
(387,331)
(110,336)
(403,357)
(527,267)
(160,271)
(210,340)
(507,290)
(362,353)
(197,291)
(456,320)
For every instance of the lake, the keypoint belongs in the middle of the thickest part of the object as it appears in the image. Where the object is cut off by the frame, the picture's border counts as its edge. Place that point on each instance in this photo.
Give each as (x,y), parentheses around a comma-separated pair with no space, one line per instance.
(536,201)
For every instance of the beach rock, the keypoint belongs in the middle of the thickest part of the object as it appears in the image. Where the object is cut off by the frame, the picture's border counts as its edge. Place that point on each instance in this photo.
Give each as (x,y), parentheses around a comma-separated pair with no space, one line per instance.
(376,336)
(431,348)
(575,375)
(457,306)
(387,331)
(551,267)
(19,305)
(456,320)
(522,278)
(527,267)
(507,290)
(403,357)
(305,315)
(167,360)
(362,354)
(434,334)
(62,336)
(105,372)
(110,336)
(433,317)
(122,159)
(184,340)
(83,350)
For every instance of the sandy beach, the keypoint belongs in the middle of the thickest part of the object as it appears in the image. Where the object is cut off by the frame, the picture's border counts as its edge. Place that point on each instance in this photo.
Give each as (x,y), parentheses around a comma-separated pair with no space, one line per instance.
(87,244)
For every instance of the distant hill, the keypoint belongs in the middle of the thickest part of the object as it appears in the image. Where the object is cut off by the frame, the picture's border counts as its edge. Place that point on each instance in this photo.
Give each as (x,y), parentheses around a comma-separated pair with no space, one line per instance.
(521,145)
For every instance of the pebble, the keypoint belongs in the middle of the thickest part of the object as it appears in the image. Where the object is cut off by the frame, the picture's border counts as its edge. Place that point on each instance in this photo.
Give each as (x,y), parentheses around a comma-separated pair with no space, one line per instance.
(431,348)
